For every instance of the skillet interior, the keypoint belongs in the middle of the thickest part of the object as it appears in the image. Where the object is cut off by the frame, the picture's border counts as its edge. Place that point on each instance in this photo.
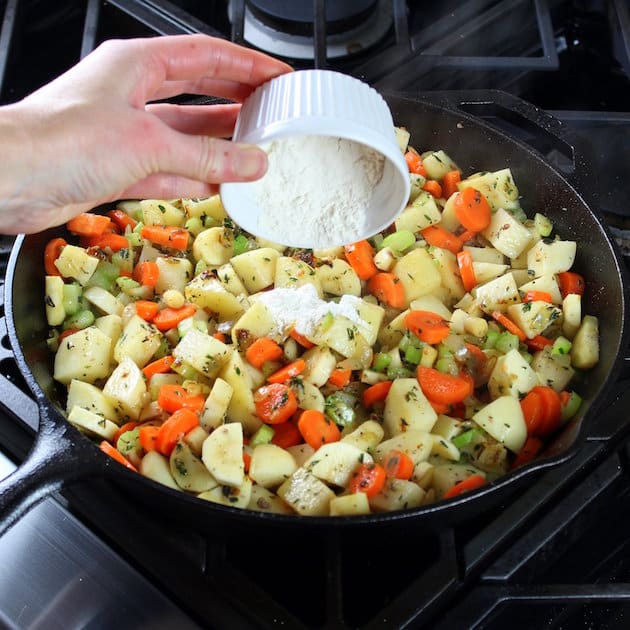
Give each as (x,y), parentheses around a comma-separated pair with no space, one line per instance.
(475,146)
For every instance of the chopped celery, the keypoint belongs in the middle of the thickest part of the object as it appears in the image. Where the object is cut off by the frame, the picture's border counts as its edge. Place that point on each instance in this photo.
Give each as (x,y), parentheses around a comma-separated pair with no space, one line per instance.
(123,259)
(327,322)
(134,238)
(185,370)
(163,349)
(506,341)
(399,241)
(138,227)
(561,346)
(377,240)
(194,225)
(72,298)
(340,408)
(444,352)
(394,372)
(491,339)
(185,325)
(413,355)
(127,284)
(447,365)
(381,361)
(571,407)
(79,320)
(129,442)
(241,244)
(466,438)
(104,276)
(264,435)
(543,225)
(200,267)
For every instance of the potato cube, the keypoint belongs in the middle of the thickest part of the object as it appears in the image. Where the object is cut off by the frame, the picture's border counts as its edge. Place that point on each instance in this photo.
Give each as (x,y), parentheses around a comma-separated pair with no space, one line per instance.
(84,355)
(406,408)
(417,273)
(205,353)
(126,387)
(256,268)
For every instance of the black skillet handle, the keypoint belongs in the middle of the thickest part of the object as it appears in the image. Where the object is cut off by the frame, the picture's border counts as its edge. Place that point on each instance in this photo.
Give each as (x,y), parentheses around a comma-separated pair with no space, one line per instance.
(59,455)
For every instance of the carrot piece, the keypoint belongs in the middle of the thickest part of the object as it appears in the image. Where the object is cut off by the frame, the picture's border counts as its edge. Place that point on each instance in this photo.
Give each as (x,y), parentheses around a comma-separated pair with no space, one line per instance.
(159,366)
(466,270)
(262,350)
(565,396)
(376,393)
(340,377)
(508,324)
(67,333)
(533,412)
(433,188)
(449,183)
(538,343)
(286,434)
(444,388)
(317,429)
(275,403)
(398,464)
(247,461)
(108,449)
(386,287)
(531,448)
(146,309)
(148,436)
(301,339)
(427,326)
(465,485)
(571,282)
(128,426)
(552,406)
(414,163)
(166,235)
(466,236)
(438,236)
(173,428)
(147,273)
(288,371)
(115,242)
(537,296)
(369,479)
(122,219)
(51,253)
(220,336)
(168,318)
(360,257)
(472,209)
(88,224)
(172,397)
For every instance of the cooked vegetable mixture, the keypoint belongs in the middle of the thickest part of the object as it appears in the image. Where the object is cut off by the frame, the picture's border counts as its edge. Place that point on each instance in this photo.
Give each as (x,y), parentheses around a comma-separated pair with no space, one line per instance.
(383,375)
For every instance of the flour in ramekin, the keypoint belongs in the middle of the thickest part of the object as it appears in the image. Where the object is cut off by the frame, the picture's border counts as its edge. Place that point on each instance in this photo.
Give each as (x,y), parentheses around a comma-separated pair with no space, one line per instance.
(317,189)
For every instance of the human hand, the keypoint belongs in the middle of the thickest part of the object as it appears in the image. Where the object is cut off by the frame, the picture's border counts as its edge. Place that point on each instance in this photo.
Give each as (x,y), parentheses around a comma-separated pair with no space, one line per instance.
(90,137)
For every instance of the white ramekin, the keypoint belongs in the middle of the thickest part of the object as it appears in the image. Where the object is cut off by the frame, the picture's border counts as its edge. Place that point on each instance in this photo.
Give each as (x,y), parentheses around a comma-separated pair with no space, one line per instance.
(324,103)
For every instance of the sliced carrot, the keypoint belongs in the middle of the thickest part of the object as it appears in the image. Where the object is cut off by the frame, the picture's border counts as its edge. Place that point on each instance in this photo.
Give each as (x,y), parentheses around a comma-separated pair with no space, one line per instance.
(88,224)
(369,479)
(172,397)
(466,236)
(51,253)
(360,257)
(166,235)
(317,429)
(275,403)
(340,377)
(472,209)
(159,366)
(122,219)
(433,188)
(115,242)
(444,388)
(531,448)
(146,309)
(538,343)
(128,426)
(414,163)
(147,273)
(449,183)
(67,333)
(427,326)
(148,435)
(466,270)
(508,324)
(552,406)
(108,449)
(288,371)
(168,318)
(571,282)
(537,296)
(387,288)
(438,236)
(286,434)
(376,393)
(398,464)
(220,336)
(247,461)
(465,485)
(173,428)
(301,339)
(533,412)
(262,350)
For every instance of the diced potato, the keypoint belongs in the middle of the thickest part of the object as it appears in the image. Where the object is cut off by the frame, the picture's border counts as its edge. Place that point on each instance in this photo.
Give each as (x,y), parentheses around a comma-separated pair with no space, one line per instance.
(156,467)
(511,376)
(87,396)
(534,317)
(262,500)
(572,314)
(366,436)
(306,494)
(308,396)
(92,423)
(484,271)
(343,336)
(256,268)
(112,326)
(417,444)
(188,470)
(292,273)
(236,497)
(230,280)
(497,187)
(209,293)
(205,353)
(402,137)
(547,283)
(446,476)
(450,221)
(391,334)
(126,386)
(417,273)
(209,207)
(503,420)
(447,427)
(553,370)
(445,448)
(139,341)
(55,311)
(406,407)
(398,494)
(420,214)
(432,304)
(216,405)
(507,234)
(320,363)
(338,278)
(241,407)
(103,300)
(159,212)
(174,273)
(371,316)
(350,504)
(271,465)
(222,454)
(437,164)
(75,262)
(446,264)
(257,321)
(546,258)
(195,439)
(215,246)
(301,452)
(485,254)
(334,463)
(497,294)
(84,355)
(585,349)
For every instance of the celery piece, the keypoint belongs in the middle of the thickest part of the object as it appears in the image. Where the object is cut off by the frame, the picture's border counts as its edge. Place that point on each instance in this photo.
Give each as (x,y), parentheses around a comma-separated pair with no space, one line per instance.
(134,238)
(444,352)
(561,346)
(200,267)
(413,355)
(123,259)
(185,325)
(394,372)
(399,241)
(543,225)
(72,298)
(447,365)
(126,284)
(491,339)
(327,322)
(572,406)
(241,244)
(464,439)
(263,435)
(506,342)
(186,370)
(129,442)
(381,361)
(163,349)
(79,320)
(339,407)
(104,276)
(377,241)
(138,227)
(194,225)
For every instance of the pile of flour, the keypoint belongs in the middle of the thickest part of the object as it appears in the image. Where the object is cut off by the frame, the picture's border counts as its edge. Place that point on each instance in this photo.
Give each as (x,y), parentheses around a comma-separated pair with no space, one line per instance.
(318,187)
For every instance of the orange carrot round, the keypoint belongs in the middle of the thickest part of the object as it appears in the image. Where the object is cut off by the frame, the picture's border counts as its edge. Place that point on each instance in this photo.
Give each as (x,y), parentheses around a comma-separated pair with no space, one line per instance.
(159,366)
(262,350)
(552,406)
(172,397)
(115,242)
(317,429)
(538,343)
(108,449)
(398,464)
(172,429)
(340,377)
(360,257)
(433,188)
(449,183)
(466,485)
(369,479)
(386,288)
(444,388)
(438,236)
(301,339)
(288,371)
(275,403)
(427,326)
(148,436)
(508,324)
(472,209)
(146,309)
(168,318)
(88,224)
(51,253)
(414,163)
(466,270)
(147,273)
(122,219)
(286,434)
(166,235)
(537,296)
(531,448)
(376,393)
(571,282)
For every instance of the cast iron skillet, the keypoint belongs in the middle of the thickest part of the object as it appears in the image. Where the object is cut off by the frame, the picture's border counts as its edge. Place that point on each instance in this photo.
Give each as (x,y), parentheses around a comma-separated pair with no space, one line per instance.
(61,454)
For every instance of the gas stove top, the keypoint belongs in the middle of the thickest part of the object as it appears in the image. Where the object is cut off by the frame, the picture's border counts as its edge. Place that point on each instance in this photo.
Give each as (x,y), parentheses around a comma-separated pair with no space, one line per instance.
(553,556)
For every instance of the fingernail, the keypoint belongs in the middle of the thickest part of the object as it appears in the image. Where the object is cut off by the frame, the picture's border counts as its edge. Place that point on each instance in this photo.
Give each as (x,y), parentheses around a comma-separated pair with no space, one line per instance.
(250,162)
